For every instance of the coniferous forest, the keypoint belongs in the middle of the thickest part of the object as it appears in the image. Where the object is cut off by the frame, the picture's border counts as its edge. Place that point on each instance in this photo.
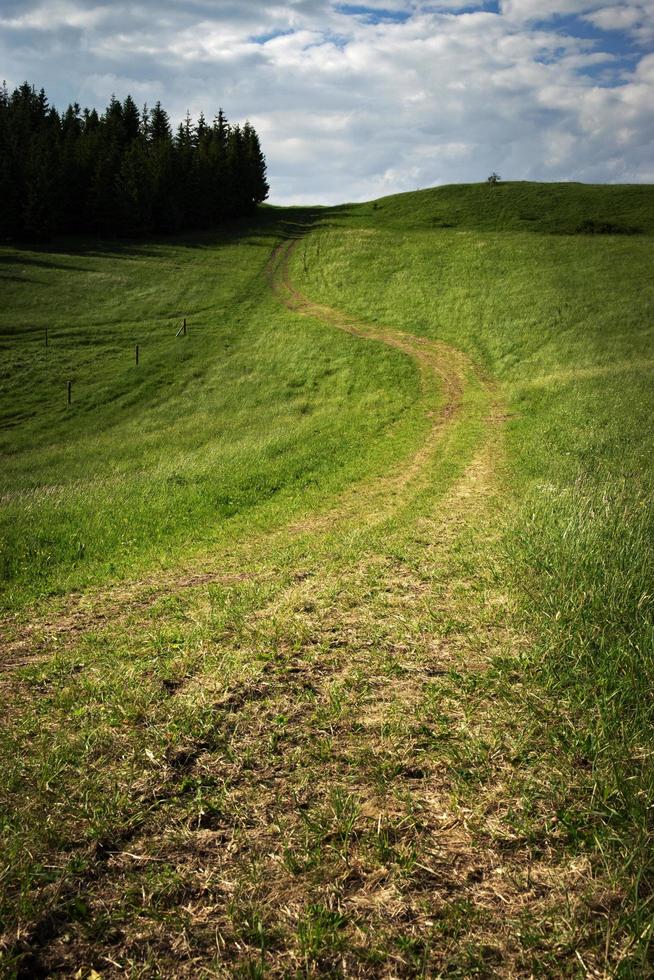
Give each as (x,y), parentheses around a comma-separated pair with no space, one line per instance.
(121,173)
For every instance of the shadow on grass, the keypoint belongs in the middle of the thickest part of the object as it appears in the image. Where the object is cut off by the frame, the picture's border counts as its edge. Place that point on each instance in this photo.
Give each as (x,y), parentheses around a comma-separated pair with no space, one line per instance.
(269,222)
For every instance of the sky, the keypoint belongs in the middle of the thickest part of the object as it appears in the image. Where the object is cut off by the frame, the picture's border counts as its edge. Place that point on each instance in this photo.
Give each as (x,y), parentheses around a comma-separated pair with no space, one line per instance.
(354,101)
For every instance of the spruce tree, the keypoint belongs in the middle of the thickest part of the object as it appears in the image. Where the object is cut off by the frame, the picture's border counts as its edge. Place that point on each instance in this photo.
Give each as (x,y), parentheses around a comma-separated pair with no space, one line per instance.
(131,120)
(254,164)
(160,131)
(201,129)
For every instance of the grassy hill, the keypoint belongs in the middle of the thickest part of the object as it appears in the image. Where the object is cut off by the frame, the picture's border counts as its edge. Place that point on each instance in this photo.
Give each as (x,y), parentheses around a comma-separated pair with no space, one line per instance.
(566,209)
(248,408)
(329,631)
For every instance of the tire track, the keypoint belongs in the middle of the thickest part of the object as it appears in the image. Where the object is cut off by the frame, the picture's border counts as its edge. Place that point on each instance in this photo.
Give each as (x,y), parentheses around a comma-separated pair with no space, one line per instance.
(443,371)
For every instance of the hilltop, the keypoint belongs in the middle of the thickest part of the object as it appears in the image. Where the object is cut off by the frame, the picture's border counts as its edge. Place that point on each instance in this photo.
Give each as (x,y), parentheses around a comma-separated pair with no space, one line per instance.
(565,209)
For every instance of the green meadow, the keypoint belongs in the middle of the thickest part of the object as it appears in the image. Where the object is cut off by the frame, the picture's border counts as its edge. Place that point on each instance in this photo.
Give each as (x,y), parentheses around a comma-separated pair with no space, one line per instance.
(249,408)
(329,626)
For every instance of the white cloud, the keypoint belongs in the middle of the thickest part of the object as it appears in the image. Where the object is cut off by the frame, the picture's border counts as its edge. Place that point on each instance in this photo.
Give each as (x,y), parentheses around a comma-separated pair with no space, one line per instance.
(615,18)
(637,19)
(526,10)
(560,147)
(54,15)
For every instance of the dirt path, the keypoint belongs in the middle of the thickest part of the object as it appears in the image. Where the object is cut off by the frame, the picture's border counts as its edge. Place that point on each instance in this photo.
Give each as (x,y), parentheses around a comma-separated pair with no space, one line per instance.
(310,813)
(442,368)
(443,371)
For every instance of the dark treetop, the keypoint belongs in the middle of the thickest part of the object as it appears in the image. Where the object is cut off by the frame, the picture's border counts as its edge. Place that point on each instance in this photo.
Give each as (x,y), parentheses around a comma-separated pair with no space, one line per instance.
(120,173)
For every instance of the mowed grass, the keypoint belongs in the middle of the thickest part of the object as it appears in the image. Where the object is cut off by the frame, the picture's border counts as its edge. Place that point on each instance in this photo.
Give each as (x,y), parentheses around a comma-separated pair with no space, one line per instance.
(404,727)
(252,415)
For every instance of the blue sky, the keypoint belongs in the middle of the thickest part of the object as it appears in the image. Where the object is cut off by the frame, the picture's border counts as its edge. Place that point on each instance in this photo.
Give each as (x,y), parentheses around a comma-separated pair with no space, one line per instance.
(353,101)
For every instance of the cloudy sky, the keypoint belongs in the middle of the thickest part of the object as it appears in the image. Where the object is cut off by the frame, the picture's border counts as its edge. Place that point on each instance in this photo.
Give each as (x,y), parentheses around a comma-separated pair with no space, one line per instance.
(355,101)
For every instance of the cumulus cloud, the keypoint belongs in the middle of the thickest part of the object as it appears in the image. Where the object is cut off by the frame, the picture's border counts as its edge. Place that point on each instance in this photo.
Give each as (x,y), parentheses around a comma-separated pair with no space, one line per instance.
(525,10)
(357,100)
(635,19)
(615,18)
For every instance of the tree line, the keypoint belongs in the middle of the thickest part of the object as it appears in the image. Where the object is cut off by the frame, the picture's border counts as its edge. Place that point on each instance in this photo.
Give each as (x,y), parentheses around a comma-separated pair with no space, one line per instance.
(123,172)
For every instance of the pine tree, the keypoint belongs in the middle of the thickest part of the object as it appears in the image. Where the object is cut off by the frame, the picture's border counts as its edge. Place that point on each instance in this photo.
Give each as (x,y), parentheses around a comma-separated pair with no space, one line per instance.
(236,176)
(91,120)
(42,105)
(221,131)
(114,122)
(216,181)
(254,164)
(131,120)
(160,130)
(201,129)
(71,123)
(72,183)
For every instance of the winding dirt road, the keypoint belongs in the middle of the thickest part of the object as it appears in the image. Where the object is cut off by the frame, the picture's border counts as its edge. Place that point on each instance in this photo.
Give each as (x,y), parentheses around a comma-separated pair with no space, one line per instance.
(443,372)
(333,723)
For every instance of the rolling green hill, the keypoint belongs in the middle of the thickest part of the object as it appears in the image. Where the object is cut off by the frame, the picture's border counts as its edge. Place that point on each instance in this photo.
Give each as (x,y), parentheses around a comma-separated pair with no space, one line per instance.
(566,209)
(329,627)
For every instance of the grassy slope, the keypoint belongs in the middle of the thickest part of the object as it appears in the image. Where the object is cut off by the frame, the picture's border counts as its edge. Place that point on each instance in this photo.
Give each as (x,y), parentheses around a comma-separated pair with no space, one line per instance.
(519,206)
(314,732)
(251,408)
(566,323)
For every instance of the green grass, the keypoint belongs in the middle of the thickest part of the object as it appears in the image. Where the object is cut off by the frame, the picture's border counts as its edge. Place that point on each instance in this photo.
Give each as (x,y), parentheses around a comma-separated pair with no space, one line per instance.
(563,209)
(404,726)
(566,323)
(251,407)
